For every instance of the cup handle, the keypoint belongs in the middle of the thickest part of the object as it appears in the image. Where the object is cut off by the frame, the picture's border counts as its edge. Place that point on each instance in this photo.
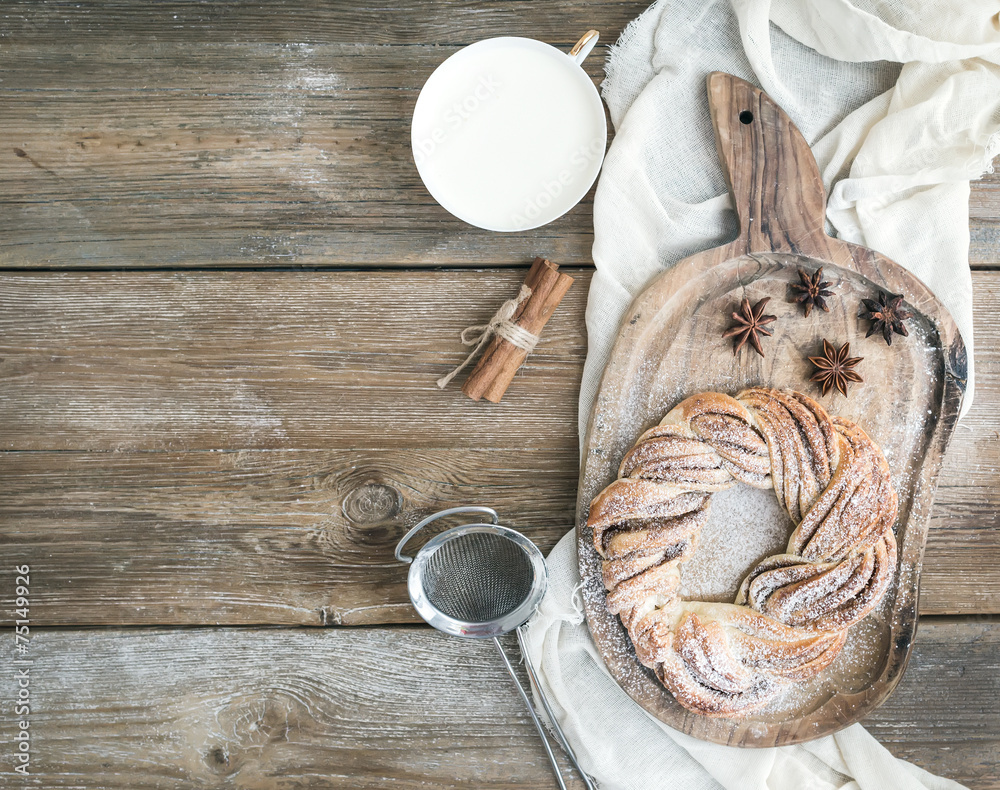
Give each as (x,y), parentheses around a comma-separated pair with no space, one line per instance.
(583,47)
(486,511)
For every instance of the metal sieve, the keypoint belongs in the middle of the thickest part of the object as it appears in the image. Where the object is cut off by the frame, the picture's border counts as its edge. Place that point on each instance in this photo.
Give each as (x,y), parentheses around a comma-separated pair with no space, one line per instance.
(483,581)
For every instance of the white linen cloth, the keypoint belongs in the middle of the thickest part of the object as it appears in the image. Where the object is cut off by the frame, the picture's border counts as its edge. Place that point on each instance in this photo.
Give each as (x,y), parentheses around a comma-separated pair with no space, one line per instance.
(896,146)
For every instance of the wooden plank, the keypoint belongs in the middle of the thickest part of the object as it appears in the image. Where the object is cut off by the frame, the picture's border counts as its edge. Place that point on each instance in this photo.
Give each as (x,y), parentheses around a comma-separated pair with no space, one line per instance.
(282,537)
(305,360)
(292,22)
(970,478)
(188,154)
(158,361)
(309,410)
(306,537)
(984,244)
(212,136)
(984,200)
(398,707)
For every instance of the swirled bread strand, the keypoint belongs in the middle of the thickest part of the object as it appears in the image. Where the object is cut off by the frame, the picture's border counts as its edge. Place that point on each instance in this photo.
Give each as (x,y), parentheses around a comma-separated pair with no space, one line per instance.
(793,610)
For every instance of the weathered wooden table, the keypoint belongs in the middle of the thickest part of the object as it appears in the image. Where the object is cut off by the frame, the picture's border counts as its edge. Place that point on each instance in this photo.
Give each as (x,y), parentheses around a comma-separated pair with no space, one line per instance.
(225,300)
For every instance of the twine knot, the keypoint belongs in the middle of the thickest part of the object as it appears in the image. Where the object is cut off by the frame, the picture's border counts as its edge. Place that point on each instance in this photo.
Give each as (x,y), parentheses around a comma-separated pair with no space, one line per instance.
(500,325)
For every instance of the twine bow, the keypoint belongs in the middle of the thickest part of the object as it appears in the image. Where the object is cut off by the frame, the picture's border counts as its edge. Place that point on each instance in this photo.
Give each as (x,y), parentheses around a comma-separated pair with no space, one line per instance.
(500,325)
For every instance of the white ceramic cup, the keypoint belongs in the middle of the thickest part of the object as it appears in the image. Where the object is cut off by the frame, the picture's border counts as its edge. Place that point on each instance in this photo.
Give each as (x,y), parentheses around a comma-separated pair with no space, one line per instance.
(509,133)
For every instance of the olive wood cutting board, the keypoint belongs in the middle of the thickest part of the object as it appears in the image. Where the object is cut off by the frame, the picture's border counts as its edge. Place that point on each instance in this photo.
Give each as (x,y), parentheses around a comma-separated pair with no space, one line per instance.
(670,346)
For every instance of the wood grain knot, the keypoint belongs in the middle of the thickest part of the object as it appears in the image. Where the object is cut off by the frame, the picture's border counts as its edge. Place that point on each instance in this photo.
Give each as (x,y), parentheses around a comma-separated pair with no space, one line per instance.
(372,503)
(218,759)
(251,728)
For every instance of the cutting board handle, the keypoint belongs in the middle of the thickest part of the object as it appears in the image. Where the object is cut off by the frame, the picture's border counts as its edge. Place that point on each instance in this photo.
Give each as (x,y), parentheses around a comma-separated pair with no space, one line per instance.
(772,174)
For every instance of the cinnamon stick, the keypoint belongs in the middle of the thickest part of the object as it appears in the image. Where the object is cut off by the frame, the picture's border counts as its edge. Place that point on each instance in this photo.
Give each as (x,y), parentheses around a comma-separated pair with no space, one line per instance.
(501,359)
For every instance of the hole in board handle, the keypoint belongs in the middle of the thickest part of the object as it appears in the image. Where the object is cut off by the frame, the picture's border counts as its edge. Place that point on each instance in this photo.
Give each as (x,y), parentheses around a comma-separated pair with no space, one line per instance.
(746,117)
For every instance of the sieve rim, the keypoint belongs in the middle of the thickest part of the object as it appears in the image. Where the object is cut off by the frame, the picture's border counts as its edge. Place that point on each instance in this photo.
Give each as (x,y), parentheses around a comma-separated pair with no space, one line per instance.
(486,630)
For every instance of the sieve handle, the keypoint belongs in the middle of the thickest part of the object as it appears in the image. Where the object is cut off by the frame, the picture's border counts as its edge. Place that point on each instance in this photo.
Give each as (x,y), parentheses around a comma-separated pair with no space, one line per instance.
(548,711)
(531,712)
(486,511)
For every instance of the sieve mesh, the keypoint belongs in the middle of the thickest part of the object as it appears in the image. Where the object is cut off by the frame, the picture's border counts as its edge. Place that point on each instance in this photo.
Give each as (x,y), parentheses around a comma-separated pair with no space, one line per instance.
(478,577)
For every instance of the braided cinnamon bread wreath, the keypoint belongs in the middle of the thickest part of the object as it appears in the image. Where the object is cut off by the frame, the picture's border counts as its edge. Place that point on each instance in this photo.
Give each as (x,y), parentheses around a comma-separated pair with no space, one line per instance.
(793,610)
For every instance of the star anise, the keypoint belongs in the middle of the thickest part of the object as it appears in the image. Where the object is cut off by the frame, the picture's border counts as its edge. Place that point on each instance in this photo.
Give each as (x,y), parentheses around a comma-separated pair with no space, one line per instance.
(836,368)
(812,291)
(750,325)
(887,315)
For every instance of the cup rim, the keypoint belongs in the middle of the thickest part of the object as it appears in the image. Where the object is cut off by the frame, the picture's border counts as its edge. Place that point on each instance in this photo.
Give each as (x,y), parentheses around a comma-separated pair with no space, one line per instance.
(594,99)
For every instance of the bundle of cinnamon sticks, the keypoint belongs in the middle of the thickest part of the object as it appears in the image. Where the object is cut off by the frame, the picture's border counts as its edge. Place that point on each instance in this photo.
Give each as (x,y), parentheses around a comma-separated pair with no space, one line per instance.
(501,359)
